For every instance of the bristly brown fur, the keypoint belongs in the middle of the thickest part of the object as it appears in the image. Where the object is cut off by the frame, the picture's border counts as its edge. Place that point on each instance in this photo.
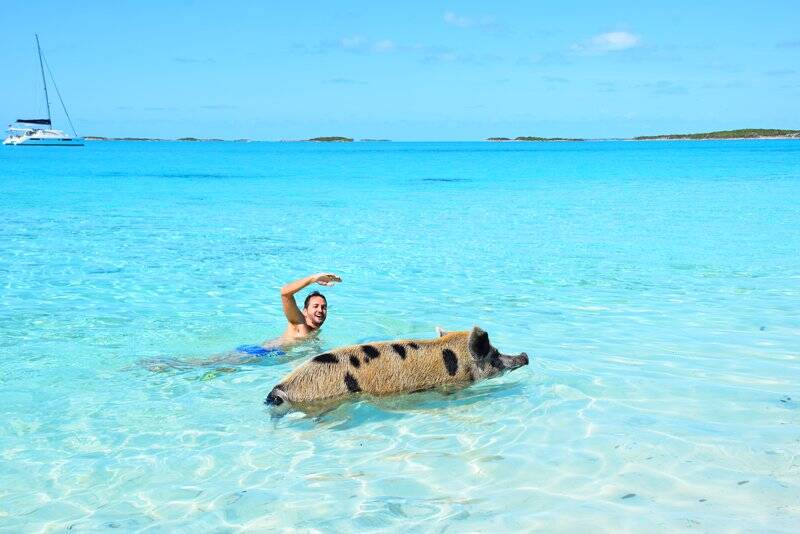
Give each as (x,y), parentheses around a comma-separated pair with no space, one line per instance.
(384,369)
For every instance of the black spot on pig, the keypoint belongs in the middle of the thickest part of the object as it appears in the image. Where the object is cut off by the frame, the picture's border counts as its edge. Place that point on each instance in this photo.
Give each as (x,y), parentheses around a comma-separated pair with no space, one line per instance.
(370,352)
(351,383)
(326,358)
(400,350)
(450,361)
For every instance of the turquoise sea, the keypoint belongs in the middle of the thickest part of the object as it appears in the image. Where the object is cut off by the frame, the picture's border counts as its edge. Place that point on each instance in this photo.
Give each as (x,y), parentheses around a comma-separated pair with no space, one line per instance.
(655,285)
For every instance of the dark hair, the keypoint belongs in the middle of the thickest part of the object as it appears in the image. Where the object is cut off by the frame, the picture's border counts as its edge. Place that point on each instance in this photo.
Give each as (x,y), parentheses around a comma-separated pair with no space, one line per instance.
(313,294)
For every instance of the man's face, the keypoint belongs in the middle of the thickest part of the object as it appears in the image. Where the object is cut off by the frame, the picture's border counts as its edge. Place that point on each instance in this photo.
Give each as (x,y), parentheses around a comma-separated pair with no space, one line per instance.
(316,312)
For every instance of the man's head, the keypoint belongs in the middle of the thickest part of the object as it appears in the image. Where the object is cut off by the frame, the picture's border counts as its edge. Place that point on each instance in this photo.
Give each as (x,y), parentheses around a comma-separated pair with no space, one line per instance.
(315,309)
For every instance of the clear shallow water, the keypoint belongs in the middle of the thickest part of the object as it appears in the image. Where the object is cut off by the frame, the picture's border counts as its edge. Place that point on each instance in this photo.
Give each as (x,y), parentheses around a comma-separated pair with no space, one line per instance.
(656,286)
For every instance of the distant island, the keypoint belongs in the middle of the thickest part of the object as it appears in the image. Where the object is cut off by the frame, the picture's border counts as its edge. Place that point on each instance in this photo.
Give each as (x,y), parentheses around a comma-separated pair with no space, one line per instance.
(747,133)
(530,138)
(750,133)
(333,139)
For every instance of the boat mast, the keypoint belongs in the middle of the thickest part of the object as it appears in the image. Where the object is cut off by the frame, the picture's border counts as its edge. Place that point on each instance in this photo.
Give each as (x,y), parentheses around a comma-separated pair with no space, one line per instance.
(44,81)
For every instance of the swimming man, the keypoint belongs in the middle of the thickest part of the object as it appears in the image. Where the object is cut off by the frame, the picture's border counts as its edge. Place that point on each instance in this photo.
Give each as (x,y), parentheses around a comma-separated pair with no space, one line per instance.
(307,322)
(302,324)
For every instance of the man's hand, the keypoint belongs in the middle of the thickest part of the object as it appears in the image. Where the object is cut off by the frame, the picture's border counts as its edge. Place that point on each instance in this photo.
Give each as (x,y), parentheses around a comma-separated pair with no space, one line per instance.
(326,279)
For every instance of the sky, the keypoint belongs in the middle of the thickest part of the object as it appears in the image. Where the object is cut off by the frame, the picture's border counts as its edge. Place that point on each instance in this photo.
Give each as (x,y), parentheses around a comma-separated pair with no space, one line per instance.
(409,70)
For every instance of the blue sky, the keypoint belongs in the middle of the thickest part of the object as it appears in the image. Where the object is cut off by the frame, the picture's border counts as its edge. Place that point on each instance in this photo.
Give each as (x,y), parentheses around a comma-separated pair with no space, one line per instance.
(406,71)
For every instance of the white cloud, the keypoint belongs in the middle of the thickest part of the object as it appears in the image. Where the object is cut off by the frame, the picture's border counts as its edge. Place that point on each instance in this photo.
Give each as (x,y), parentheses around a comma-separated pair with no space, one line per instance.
(361,44)
(457,20)
(446,56)
(665,87)
(607,42)
(354,42)
(384,45)
(615,41)
(484,23)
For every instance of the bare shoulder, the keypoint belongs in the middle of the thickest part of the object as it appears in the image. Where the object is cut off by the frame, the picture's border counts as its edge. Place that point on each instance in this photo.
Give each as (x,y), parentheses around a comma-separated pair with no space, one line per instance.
(297,330)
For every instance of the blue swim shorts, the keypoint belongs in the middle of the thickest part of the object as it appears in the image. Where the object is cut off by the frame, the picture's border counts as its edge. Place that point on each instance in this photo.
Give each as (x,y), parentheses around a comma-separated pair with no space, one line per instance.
(258,350)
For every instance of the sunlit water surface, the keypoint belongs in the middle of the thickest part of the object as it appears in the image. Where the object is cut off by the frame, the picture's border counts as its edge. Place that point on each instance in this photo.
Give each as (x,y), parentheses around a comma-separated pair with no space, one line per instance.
(656,286)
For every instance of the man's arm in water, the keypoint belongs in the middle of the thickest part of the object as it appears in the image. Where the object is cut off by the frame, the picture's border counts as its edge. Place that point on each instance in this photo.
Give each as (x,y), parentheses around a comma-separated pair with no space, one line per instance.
(290,309)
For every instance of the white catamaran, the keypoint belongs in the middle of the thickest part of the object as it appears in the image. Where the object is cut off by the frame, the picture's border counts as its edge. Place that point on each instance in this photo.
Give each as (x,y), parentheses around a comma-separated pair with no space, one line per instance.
(40,132)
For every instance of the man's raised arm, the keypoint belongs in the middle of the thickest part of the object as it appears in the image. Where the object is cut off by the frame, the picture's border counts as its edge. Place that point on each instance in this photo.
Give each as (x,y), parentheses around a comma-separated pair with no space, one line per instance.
(290,309)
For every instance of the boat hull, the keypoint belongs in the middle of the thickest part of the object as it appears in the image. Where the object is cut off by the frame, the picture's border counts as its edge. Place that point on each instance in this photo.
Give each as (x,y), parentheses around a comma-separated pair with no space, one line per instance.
(25,140)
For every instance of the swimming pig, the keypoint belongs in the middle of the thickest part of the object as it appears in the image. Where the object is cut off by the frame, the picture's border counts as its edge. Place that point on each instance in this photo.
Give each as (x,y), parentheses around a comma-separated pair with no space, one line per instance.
(456,358)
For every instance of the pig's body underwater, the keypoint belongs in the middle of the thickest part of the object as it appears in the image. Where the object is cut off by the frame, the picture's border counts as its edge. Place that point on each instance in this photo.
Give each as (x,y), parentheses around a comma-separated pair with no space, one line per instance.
(386,368)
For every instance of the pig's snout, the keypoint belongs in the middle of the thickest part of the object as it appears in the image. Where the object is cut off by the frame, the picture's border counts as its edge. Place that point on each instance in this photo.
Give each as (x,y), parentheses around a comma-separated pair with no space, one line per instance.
(512,362)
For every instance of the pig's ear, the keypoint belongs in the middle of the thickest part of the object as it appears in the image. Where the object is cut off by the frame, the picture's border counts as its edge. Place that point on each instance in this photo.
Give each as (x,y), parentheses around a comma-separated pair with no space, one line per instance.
(440,332)
(479,345)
